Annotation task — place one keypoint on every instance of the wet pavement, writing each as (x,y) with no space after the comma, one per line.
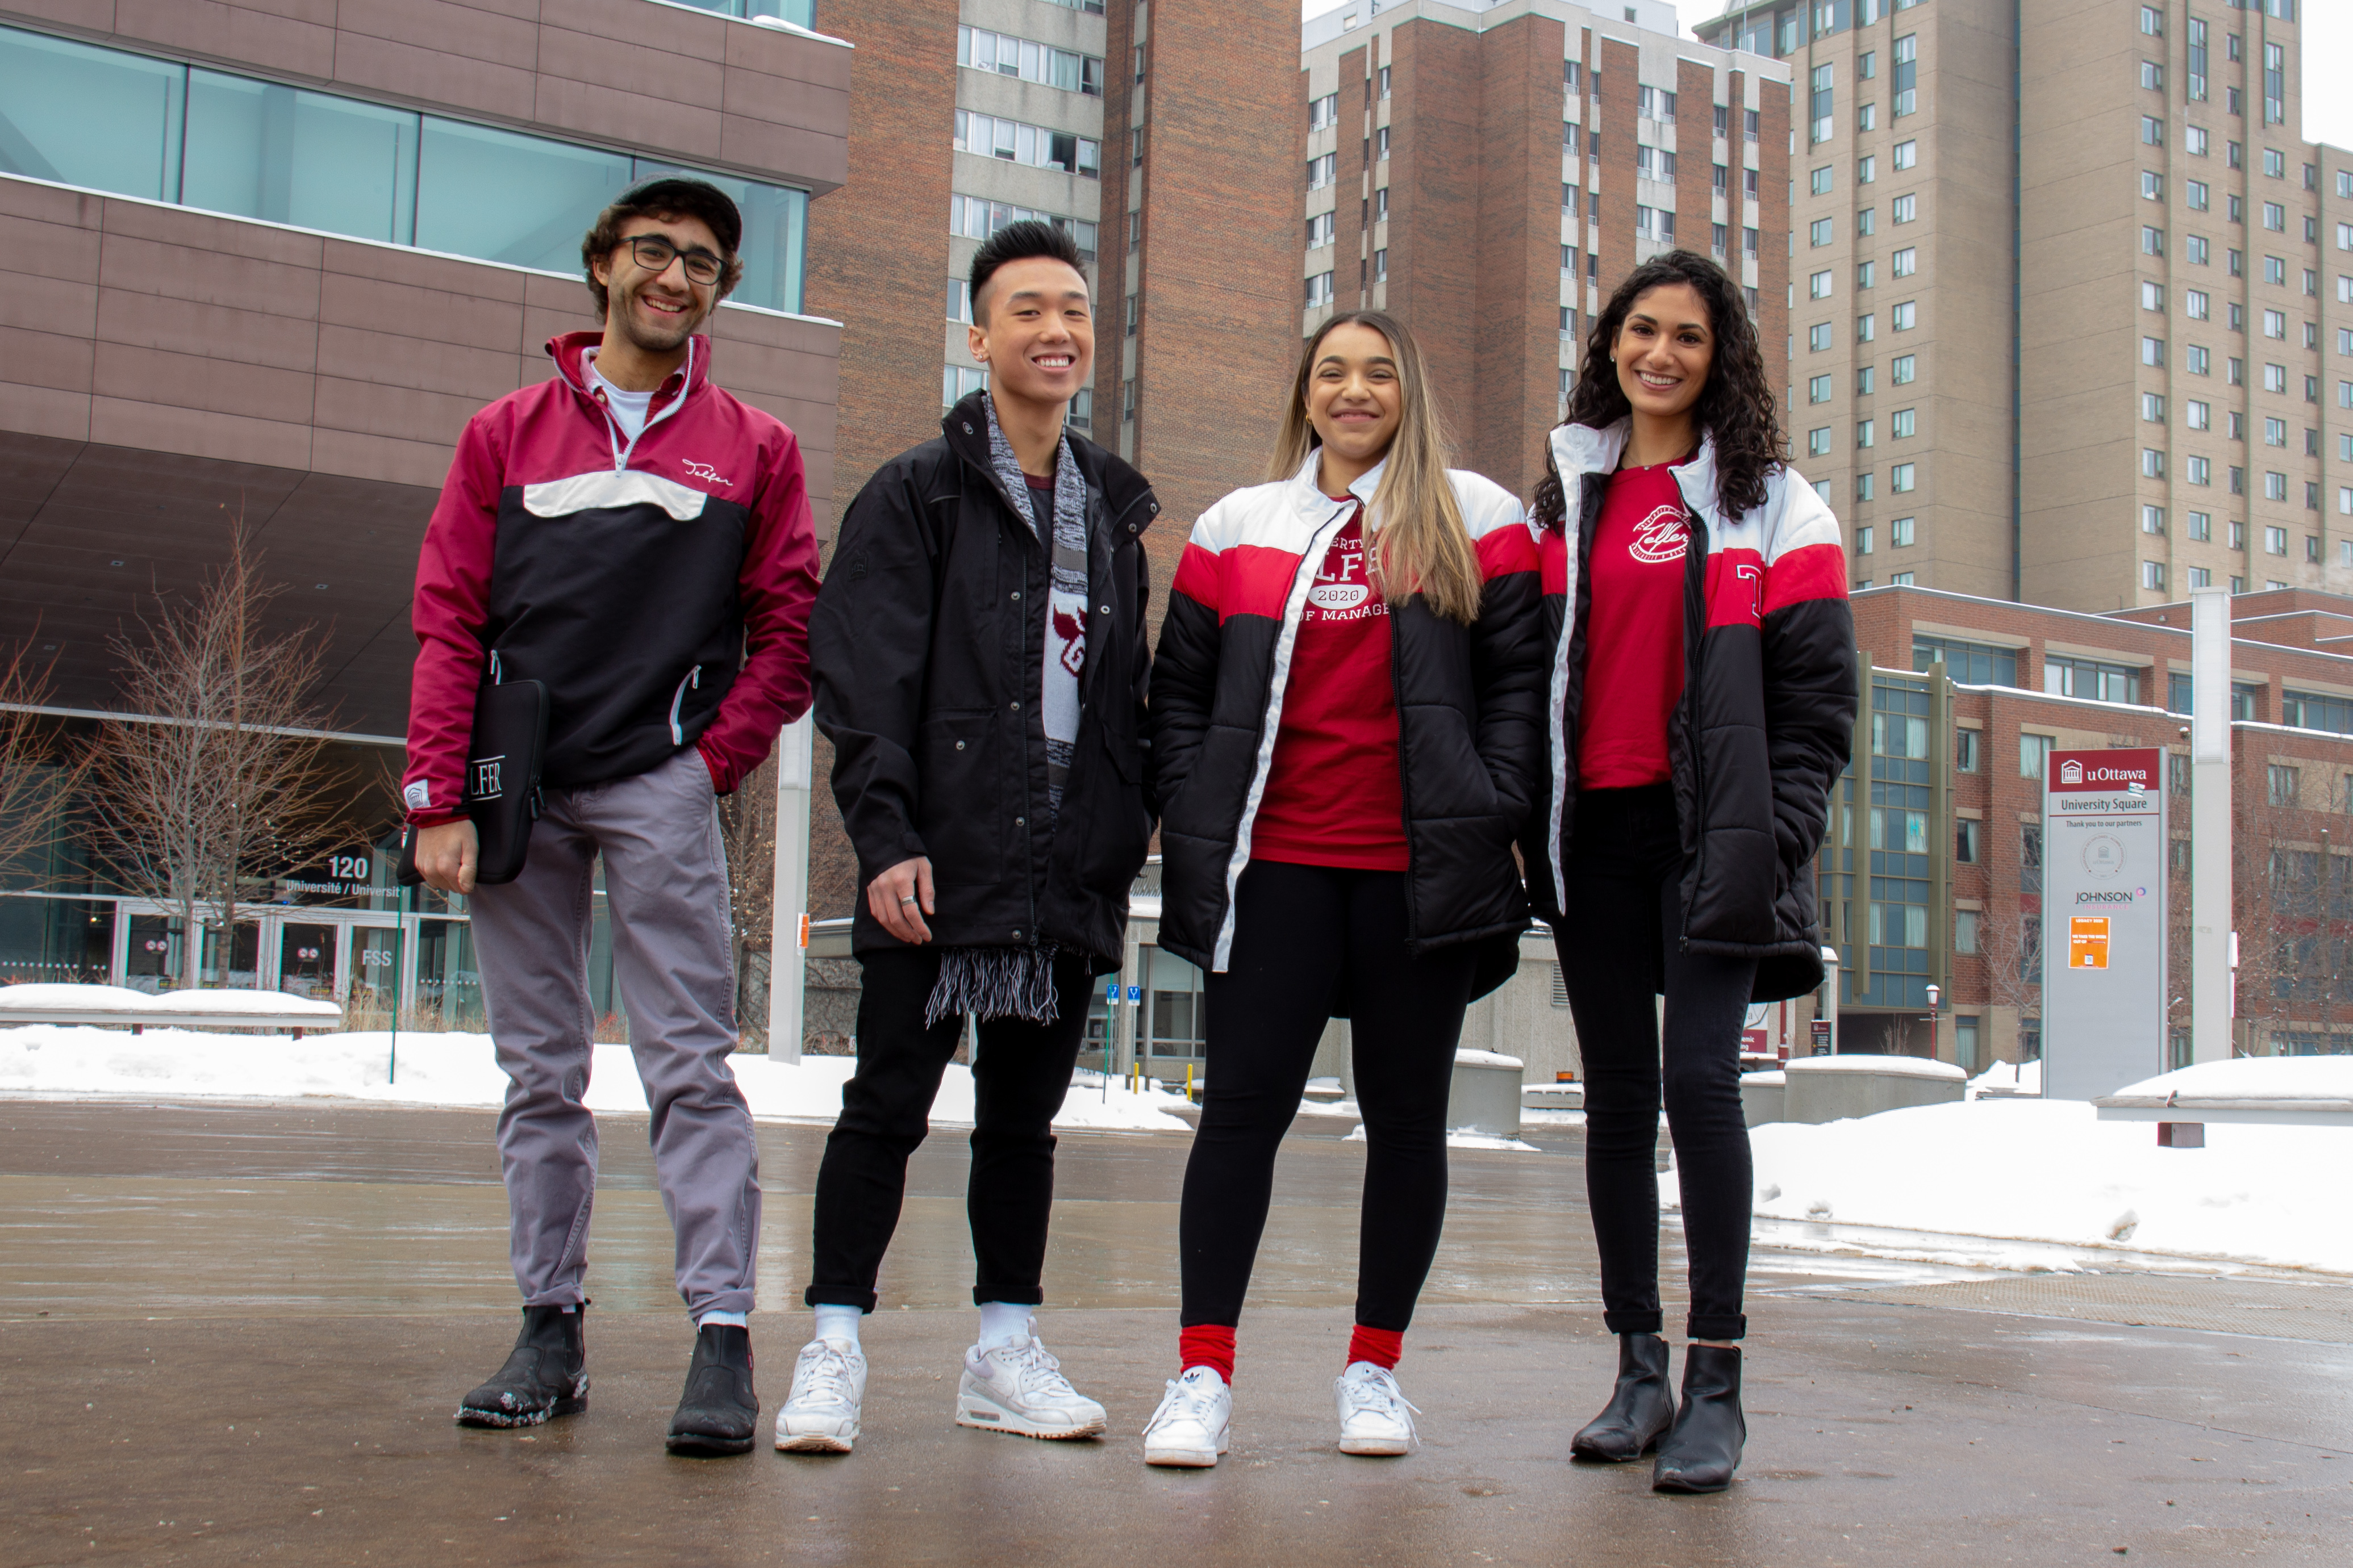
(236,1333)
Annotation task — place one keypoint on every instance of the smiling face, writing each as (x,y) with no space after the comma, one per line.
(1664,351)
(1353,399)
(1034,327)
(658,311)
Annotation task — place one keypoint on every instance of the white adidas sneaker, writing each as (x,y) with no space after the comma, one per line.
(1018,1388)
(820,1415)
(1189,1429)
(1376,1417)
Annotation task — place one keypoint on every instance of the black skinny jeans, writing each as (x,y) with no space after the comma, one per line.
(1020,1074)
(1304,937)
(1620,946)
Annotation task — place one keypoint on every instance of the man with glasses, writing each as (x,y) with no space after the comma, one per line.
(639,541)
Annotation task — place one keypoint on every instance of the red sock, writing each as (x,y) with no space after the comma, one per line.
(1208,1344)
(1380,1346)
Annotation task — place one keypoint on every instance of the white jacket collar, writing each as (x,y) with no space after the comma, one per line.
(1580,449)
(1310,494)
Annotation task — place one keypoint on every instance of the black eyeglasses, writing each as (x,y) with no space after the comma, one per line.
(654,252)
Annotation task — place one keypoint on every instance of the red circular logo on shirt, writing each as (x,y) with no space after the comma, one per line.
(1659,537)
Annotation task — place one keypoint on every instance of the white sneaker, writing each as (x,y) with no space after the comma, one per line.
(1374,1417)
(820,1415)
(1189,1428)
(1018,1388)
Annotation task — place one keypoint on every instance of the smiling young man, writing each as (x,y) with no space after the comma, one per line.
(981,663)
(638,541)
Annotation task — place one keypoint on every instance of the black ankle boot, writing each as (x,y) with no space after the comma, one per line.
(1640,1407)
(546,1373)
(1704,1449)
(718,1411)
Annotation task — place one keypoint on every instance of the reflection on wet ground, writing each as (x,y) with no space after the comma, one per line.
(229,1332)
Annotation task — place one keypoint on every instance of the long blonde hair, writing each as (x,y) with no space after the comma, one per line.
(1421,545)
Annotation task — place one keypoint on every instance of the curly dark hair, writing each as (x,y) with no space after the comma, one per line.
(1736,406)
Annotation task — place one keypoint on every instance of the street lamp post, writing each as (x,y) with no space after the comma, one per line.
(1934,1020)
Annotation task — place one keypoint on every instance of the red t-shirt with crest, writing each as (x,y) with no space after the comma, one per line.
(1634,635)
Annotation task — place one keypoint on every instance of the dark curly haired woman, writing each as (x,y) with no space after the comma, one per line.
(1702,696)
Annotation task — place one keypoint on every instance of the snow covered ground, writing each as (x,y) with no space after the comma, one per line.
(460,1069)
(2036,1171)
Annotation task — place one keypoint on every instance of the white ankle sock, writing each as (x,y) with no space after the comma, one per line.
(1002,1323)
(837,1323)
(735,1318)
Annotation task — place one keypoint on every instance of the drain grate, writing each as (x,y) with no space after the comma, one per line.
(2283,1310)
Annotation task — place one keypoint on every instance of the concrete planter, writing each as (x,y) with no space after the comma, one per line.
(1763,1097)
(1485,1095)
(1833,1089)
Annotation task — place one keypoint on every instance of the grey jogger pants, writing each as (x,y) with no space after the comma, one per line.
(673,962)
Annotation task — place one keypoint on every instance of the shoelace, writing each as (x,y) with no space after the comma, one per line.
(1186,1402)
(1037,1371)
(1375,1394)
(825,1375)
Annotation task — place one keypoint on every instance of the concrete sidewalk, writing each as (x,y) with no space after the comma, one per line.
(258,1320)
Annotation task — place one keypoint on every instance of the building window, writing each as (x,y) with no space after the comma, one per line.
(1818,287)
(2152,240)
(2152,575)
(1319,290)
(1965,746)
(2152,76)
(1818,337)
(2275,541)
(1381,143)
(1900,424)
(2152,463)
(1866,170)
(2033,758)
(1899,478)
(1905,207)
(1901,368)
(1862,488)
(1819,105)
(1819,231)
(2201,525)
(2276,489)
(1320,230)
(1320,170)
(2195,360)
(1866,275)
(1906,261)
(2197,195)
(1862,540)
(1004,55)
(1965,837)
(2275,432)
(1034,145)
(2200,577)
(1322,112)
(1863,380)
(1866,327)
(2194,251)
(1906,315)
(1907,74)
(1866,222)
(2152,519)
(1863,432)
(1899,579)
(2283,783)
(2199,470)
(1899,532)
(1381,275)
(2194,304)
(1818,442)
(1127,401)
(1819,181)
(2152,351)
(1130,315)
(2152,131)
(2152,408)
(1818,389)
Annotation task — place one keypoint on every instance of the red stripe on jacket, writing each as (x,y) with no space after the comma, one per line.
(1809,571)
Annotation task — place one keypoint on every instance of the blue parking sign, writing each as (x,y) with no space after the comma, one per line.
(1136,994)
(1111,990)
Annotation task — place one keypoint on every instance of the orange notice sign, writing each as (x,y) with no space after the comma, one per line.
(2088,942)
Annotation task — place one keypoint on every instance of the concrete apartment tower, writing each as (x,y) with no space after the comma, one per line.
(2067,291)
(1489,172)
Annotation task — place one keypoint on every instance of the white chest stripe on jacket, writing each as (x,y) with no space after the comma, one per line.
(1560,704)
(1294,609)
(610,489)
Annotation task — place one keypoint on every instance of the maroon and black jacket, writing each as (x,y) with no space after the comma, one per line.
(661,587)
(1766,719)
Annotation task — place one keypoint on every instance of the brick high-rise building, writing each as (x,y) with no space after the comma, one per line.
(2073,299)
(1489,171)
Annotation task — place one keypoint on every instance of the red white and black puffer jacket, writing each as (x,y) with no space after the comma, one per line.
(1470,703)
(1766,718)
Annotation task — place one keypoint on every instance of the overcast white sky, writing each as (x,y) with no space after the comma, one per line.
(2327,58)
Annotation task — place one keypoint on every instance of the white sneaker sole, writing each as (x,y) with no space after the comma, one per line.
(1378,1447)
(984,1414)
(1185,1458)
(816,1442)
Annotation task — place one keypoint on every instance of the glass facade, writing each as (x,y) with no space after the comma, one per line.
(135,126)
(1899,926)
(1966,663)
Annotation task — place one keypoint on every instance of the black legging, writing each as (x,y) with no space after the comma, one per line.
(1620,946)
(1305,936)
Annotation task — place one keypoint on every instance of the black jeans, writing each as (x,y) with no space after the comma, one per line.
(1020,1074)
(1305,937)
(1620,946)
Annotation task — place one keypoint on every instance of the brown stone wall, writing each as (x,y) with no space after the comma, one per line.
(1615,79)
(1773,228)
(1219,330)
(1694,158)
(1434,129)
(1352,280)
(1516,350)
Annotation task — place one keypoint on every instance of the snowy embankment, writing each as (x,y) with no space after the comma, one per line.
(2051,1171)
(459,1070)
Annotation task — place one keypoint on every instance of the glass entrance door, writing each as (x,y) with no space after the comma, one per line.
(376,975)
(306,960)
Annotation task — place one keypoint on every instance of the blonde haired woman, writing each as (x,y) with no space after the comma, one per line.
(1348,710)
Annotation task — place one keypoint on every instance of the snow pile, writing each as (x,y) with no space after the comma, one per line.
(461,1070)
(2008,1077)
(2050,1171)
(2282,1081)
(1463,1138)
(1878,1066)
(60,998)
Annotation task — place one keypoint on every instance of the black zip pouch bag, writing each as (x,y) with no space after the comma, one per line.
(502,793)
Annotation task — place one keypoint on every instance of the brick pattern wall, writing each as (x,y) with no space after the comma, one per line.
(1615,78)
(1773,228)
(1219,279)
(1694,160)
(1351,266)
(1433,143)
(1122,94)
(1516,348)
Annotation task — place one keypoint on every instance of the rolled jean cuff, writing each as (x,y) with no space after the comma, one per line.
(840,1296)
(1646,1323)
(735,1301)
(1010,1295)
(1718,1326)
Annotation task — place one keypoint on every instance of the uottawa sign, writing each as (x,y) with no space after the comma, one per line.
(2103,921)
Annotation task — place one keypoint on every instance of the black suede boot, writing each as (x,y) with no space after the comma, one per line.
(718,1411)
(546,1373)
(1640,1407)
(1704,1449)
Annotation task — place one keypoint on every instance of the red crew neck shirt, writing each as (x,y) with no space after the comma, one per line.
(1634,635)
(1334,796)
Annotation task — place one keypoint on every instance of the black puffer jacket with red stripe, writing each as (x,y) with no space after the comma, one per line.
(1470,704)
(1766,721)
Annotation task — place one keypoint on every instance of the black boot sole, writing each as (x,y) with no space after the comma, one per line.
(1595,1456)
(701,1446)
(1688,1488)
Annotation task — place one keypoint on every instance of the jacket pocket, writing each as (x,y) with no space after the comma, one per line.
(955,761)
(1119,830)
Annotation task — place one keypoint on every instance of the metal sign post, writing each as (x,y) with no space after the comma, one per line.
(2103,931)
